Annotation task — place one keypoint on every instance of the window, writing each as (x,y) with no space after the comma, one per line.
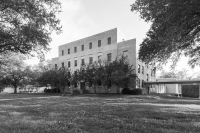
(153,72)
(125,53)
(75,62)
(56,66)
(99,58)
(142,69)
(69,64)
(90,45)
(126,68)
(63,65)
(75,49)
(90,84)
(109,40)
(142,83)
(90,60)
(69,75)
(83,71)
(147,77)
(138,82)
(75,73)
(69,83)
(62,52)
(82,47)
(109,57)
(99,43)
(138,68)
(75,84)
(68,51)
(82,62)
(99,82)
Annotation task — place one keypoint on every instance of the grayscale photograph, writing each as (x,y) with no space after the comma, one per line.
(99,66)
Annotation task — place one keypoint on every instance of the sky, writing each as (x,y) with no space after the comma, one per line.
(83,18)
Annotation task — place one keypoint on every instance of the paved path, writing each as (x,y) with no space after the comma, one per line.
(29,98)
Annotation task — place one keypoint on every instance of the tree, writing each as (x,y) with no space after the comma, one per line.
(26,25)
(91,72)
(16,74)
(168,74)
(183,75)
(49,77)
(14,78)
(123,76)
(174,32)
(107,73)
(118,72)
(57,78)
(180,75)
(63,77)
(197,77)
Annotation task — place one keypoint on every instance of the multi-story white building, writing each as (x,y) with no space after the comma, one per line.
(107,45)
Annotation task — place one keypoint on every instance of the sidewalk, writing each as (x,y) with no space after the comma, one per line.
(28,98)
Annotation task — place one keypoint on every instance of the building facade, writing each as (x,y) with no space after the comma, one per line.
(108,45)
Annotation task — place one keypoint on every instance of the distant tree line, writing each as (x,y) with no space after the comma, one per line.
(17,74)
(183,74)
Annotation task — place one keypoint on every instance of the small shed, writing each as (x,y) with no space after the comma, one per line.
(188,88)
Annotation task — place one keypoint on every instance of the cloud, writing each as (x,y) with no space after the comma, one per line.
(72,28)
(76,24)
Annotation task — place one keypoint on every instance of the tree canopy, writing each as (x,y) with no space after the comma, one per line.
(105,74)
(174,32)
(179,74)
(26,25)
(14,72)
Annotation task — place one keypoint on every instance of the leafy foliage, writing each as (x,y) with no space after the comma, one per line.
(180,75)
(63,77)
(49,77)
(174,31)
(118,73)
(168,75)
(55,77)
(25,25)
(15,73)
(123,73)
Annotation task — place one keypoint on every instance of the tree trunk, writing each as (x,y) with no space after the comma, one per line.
(95,89)
(63,89)
(15,89)
(71,89)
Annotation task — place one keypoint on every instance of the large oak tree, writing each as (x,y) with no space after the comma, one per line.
(175,30)
(26,25)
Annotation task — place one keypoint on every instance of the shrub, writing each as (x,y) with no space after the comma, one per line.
(126,91)
(86,91)
(137,91)
(47,90)
(76,92)
(52,90)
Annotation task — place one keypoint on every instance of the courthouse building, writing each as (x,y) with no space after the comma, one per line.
(107,45)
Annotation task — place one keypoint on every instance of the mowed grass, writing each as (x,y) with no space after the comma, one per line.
(98,114)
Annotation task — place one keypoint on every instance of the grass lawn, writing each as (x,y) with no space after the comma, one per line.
(98,114)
